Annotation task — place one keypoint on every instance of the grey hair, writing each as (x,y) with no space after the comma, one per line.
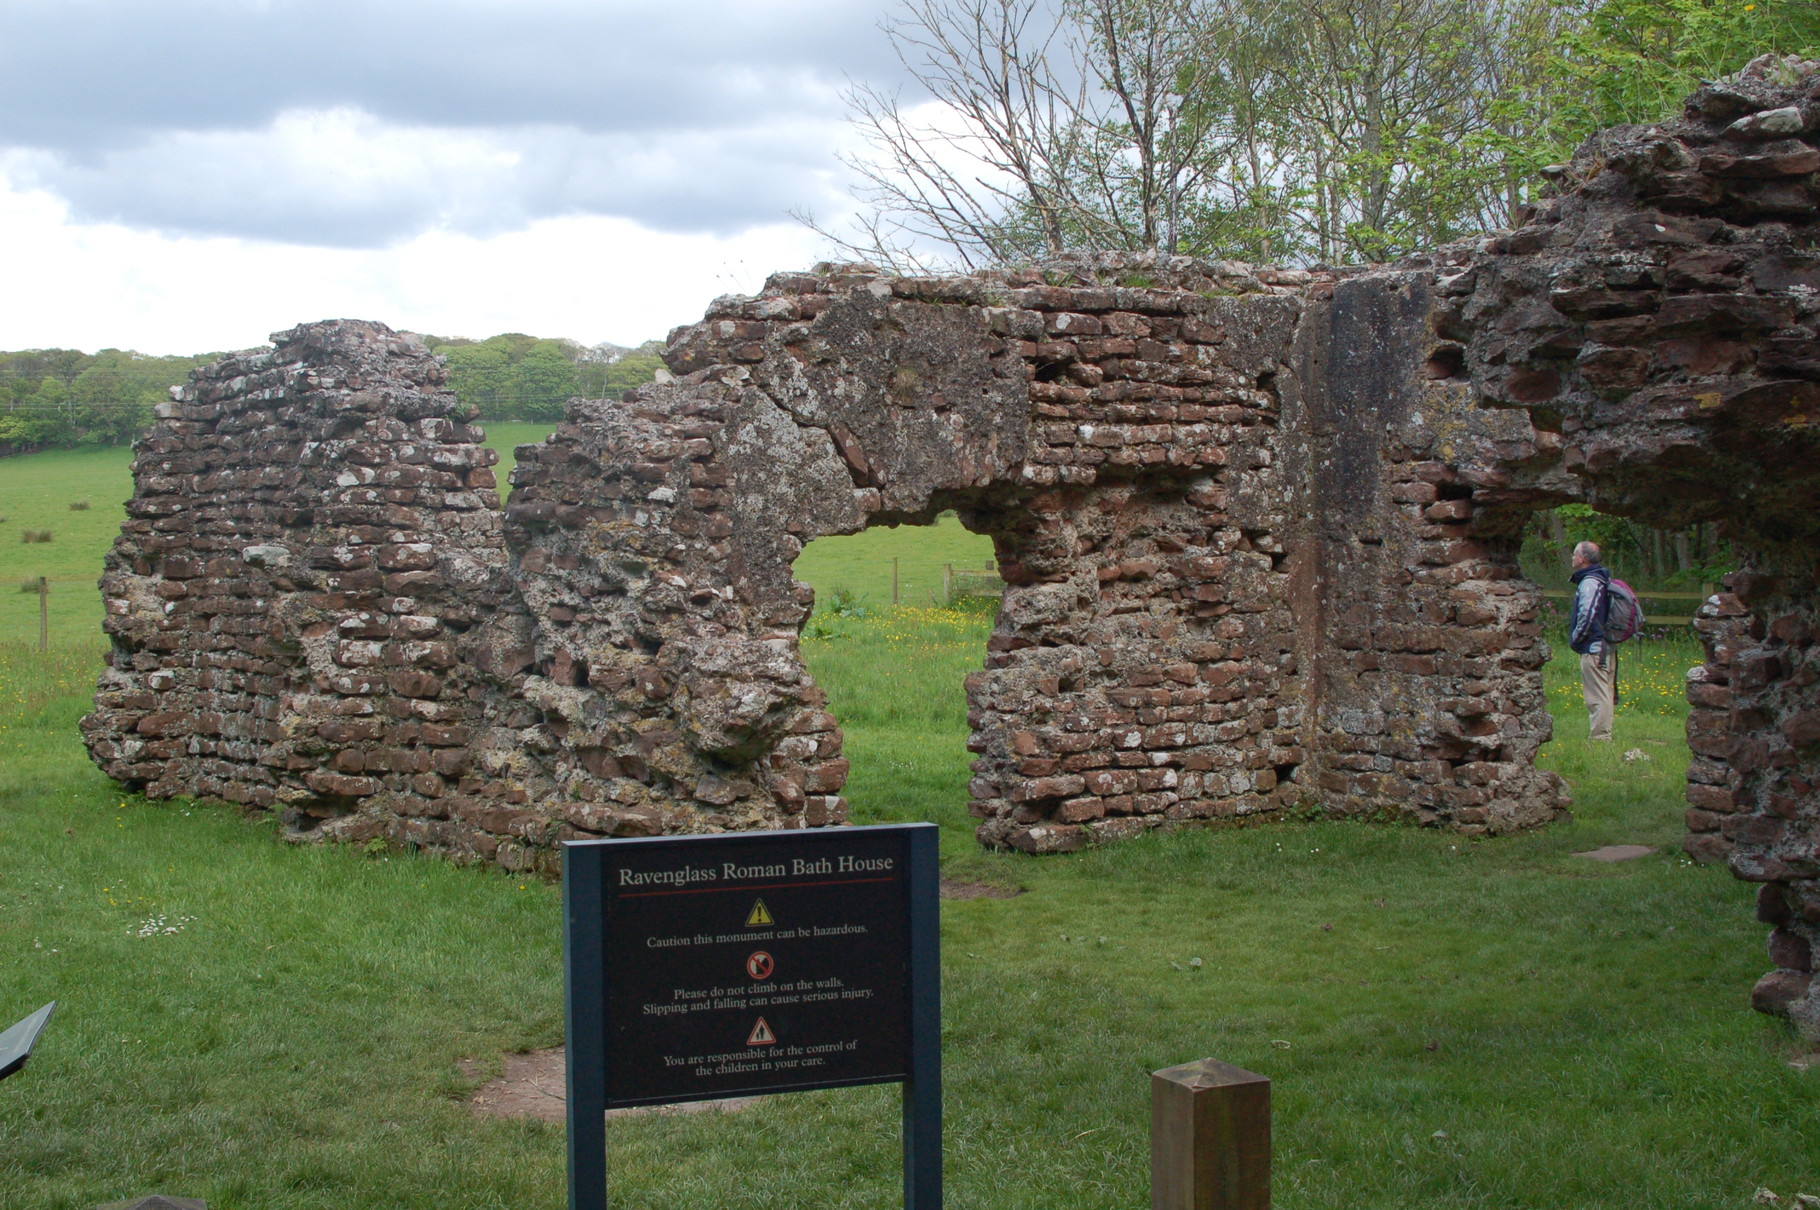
(1587,550)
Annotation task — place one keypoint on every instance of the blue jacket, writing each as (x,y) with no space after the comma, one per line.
(1586,621)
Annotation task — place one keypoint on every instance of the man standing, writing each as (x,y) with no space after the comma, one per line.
(1586,635)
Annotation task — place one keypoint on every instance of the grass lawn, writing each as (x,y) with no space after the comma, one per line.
(1446,1023)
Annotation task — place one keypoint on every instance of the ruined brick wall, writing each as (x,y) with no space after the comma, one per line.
(1661,313)
(1226,507)
(1259,531)
(304,595)
(1234,585)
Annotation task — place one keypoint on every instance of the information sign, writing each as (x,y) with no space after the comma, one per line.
(701,967)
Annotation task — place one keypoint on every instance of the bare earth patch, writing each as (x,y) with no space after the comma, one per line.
(533,1086)
(952,889)
(1617,852)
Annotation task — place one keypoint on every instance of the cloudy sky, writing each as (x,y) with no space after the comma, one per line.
(187,175)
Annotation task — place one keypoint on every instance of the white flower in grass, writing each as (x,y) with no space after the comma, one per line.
(162,926)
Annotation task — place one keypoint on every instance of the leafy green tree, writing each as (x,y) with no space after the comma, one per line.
(543,381)
(513,376)
(480,374)
(1321,130)
(64,397)
(634,368)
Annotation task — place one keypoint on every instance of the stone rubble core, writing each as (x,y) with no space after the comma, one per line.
(1259,530)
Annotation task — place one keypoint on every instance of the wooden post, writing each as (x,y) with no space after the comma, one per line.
(947,583)
(894,581)
(1209,1138)
(44,614)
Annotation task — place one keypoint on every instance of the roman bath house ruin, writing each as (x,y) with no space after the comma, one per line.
(1259,530)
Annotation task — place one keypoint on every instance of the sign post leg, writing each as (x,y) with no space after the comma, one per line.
(923,1090)
(584,984)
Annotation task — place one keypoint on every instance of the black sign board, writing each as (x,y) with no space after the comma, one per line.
(702,967)
(16,1043)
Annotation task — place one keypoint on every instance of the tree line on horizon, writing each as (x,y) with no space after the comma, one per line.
(56,398)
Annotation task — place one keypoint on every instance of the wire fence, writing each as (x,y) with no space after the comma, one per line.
(41,611)
(1651,619)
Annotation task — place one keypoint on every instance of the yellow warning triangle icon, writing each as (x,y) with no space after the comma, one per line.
(759,914)
(761,1035)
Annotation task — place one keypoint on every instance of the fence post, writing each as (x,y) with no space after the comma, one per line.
(947,584)
(1209,1138)
(894,581)
(44,614)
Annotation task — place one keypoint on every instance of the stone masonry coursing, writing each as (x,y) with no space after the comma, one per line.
(1661,314)
(307,593)
(1258,527)
(1187,483)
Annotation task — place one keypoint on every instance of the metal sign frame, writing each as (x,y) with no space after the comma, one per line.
(588,963)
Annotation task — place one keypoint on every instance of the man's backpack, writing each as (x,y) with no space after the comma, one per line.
(1623,612)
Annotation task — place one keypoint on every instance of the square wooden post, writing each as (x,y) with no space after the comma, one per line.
(1209,1138)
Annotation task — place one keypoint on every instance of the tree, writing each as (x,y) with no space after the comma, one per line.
(543,381)
(64,397)
(1329,130)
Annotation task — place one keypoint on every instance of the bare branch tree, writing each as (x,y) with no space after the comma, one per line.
(987,180)
(1337,130)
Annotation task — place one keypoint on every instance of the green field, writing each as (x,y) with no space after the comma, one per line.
(36,492)
(1485,1024)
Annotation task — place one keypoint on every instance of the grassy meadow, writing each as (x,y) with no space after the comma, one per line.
(1447,1023)
(36,494)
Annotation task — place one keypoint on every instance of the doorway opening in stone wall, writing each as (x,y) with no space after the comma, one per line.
(1639,782)
(901,618)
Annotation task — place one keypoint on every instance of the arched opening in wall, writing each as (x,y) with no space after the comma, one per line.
(1636,783)
(902,614)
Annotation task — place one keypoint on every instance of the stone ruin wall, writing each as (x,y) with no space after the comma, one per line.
(1661,314)
(318,608)
(1259,532)
(1183,635)
(306,598)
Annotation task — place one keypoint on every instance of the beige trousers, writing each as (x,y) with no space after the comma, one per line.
(1596,683)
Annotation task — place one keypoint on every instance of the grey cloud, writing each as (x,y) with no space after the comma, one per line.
(182,116)
(345,180)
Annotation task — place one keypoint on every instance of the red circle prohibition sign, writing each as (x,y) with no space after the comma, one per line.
(759,965)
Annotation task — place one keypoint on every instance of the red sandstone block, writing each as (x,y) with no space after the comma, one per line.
(1697,820)
(1105,782)
(443,737)
(1072,323)
(1065,786)
(1802,729)
(1157,779)
(827,777)
(337,785)
(168,723)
